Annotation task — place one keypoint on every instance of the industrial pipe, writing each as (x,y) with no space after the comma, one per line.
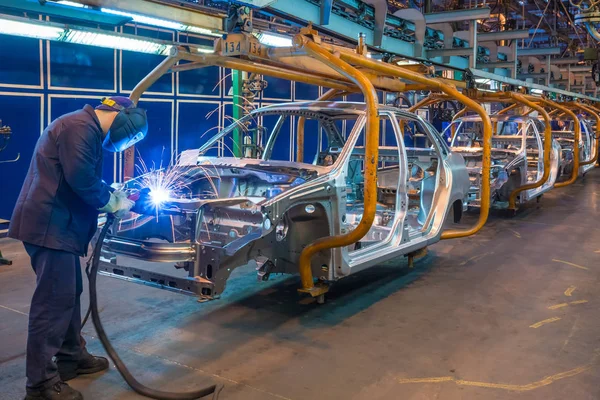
(596,114)
(577,130)
(521,100)
(547,150)
(371,160)
(143,85)
(451,91)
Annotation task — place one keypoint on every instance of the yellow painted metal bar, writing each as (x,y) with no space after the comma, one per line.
(288,74)
(330,94)
(577,130)
(459,114)
(554,112)
(507,109)
(596,108)
(161,69)
(547,150)
(422,103)
(455,94)
(518,100)
(371,160)
(596,115)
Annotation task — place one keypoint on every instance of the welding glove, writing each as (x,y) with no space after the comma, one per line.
(144,204)
(118,205)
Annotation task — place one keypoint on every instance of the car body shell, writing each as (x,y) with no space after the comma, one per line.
(587,142)
(264,212)
(517,157)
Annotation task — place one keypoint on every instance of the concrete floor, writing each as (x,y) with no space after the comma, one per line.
(461,325)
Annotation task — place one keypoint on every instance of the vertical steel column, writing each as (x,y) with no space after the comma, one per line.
(473,43)
(237,78)
(515,60)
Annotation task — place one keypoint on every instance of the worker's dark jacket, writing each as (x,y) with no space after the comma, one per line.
(57,207)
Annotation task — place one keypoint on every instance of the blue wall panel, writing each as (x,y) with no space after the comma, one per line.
(277,89)
(156,149)
(25,71)
(135,66)
(22,114)
(306,92)
(204,81)
(283,143)
(82,67)
(63,105)
(195,127)
(227,145)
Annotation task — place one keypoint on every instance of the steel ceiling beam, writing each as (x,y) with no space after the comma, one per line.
(540,51)
(458,15)
(457,51)
(578,68)
(326,7)
(499,64)
(503,35)
(477,73)
(168,11)
(539,75)
(564,61)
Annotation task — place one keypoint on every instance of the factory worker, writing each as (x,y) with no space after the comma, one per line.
(56,216)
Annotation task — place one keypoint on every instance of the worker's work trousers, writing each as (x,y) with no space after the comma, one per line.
(55,315)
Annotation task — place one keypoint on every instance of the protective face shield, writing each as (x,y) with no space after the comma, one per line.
(129,127)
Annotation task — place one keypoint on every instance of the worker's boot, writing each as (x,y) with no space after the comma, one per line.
(58,391)
(88,364)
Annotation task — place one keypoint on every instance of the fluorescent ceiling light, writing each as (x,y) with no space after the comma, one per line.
(537,91)
(10,27)
(161,23)
(274,40)
(202,31)
(407,62)
(55,32)
(71,4)
(482,81)
(116,42)
(142,19)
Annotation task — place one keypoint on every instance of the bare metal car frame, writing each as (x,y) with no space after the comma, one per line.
(216,235)
(344,70)
(517,160)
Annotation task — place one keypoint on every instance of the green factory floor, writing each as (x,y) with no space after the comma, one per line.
(512,313)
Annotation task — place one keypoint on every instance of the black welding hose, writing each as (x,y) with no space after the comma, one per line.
(131,381)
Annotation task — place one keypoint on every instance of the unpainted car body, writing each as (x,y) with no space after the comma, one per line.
(517,157)
(564,134)
(229,212)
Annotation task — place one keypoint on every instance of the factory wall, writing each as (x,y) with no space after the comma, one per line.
(41,80)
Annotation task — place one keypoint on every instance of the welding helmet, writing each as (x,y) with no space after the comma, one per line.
(129,127)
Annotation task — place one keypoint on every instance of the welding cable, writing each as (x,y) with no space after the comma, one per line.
(129,378)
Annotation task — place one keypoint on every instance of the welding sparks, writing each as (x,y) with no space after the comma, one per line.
(165,185)
(159,196)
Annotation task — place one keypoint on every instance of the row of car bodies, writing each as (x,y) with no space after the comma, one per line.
(228,212)
(518,153)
